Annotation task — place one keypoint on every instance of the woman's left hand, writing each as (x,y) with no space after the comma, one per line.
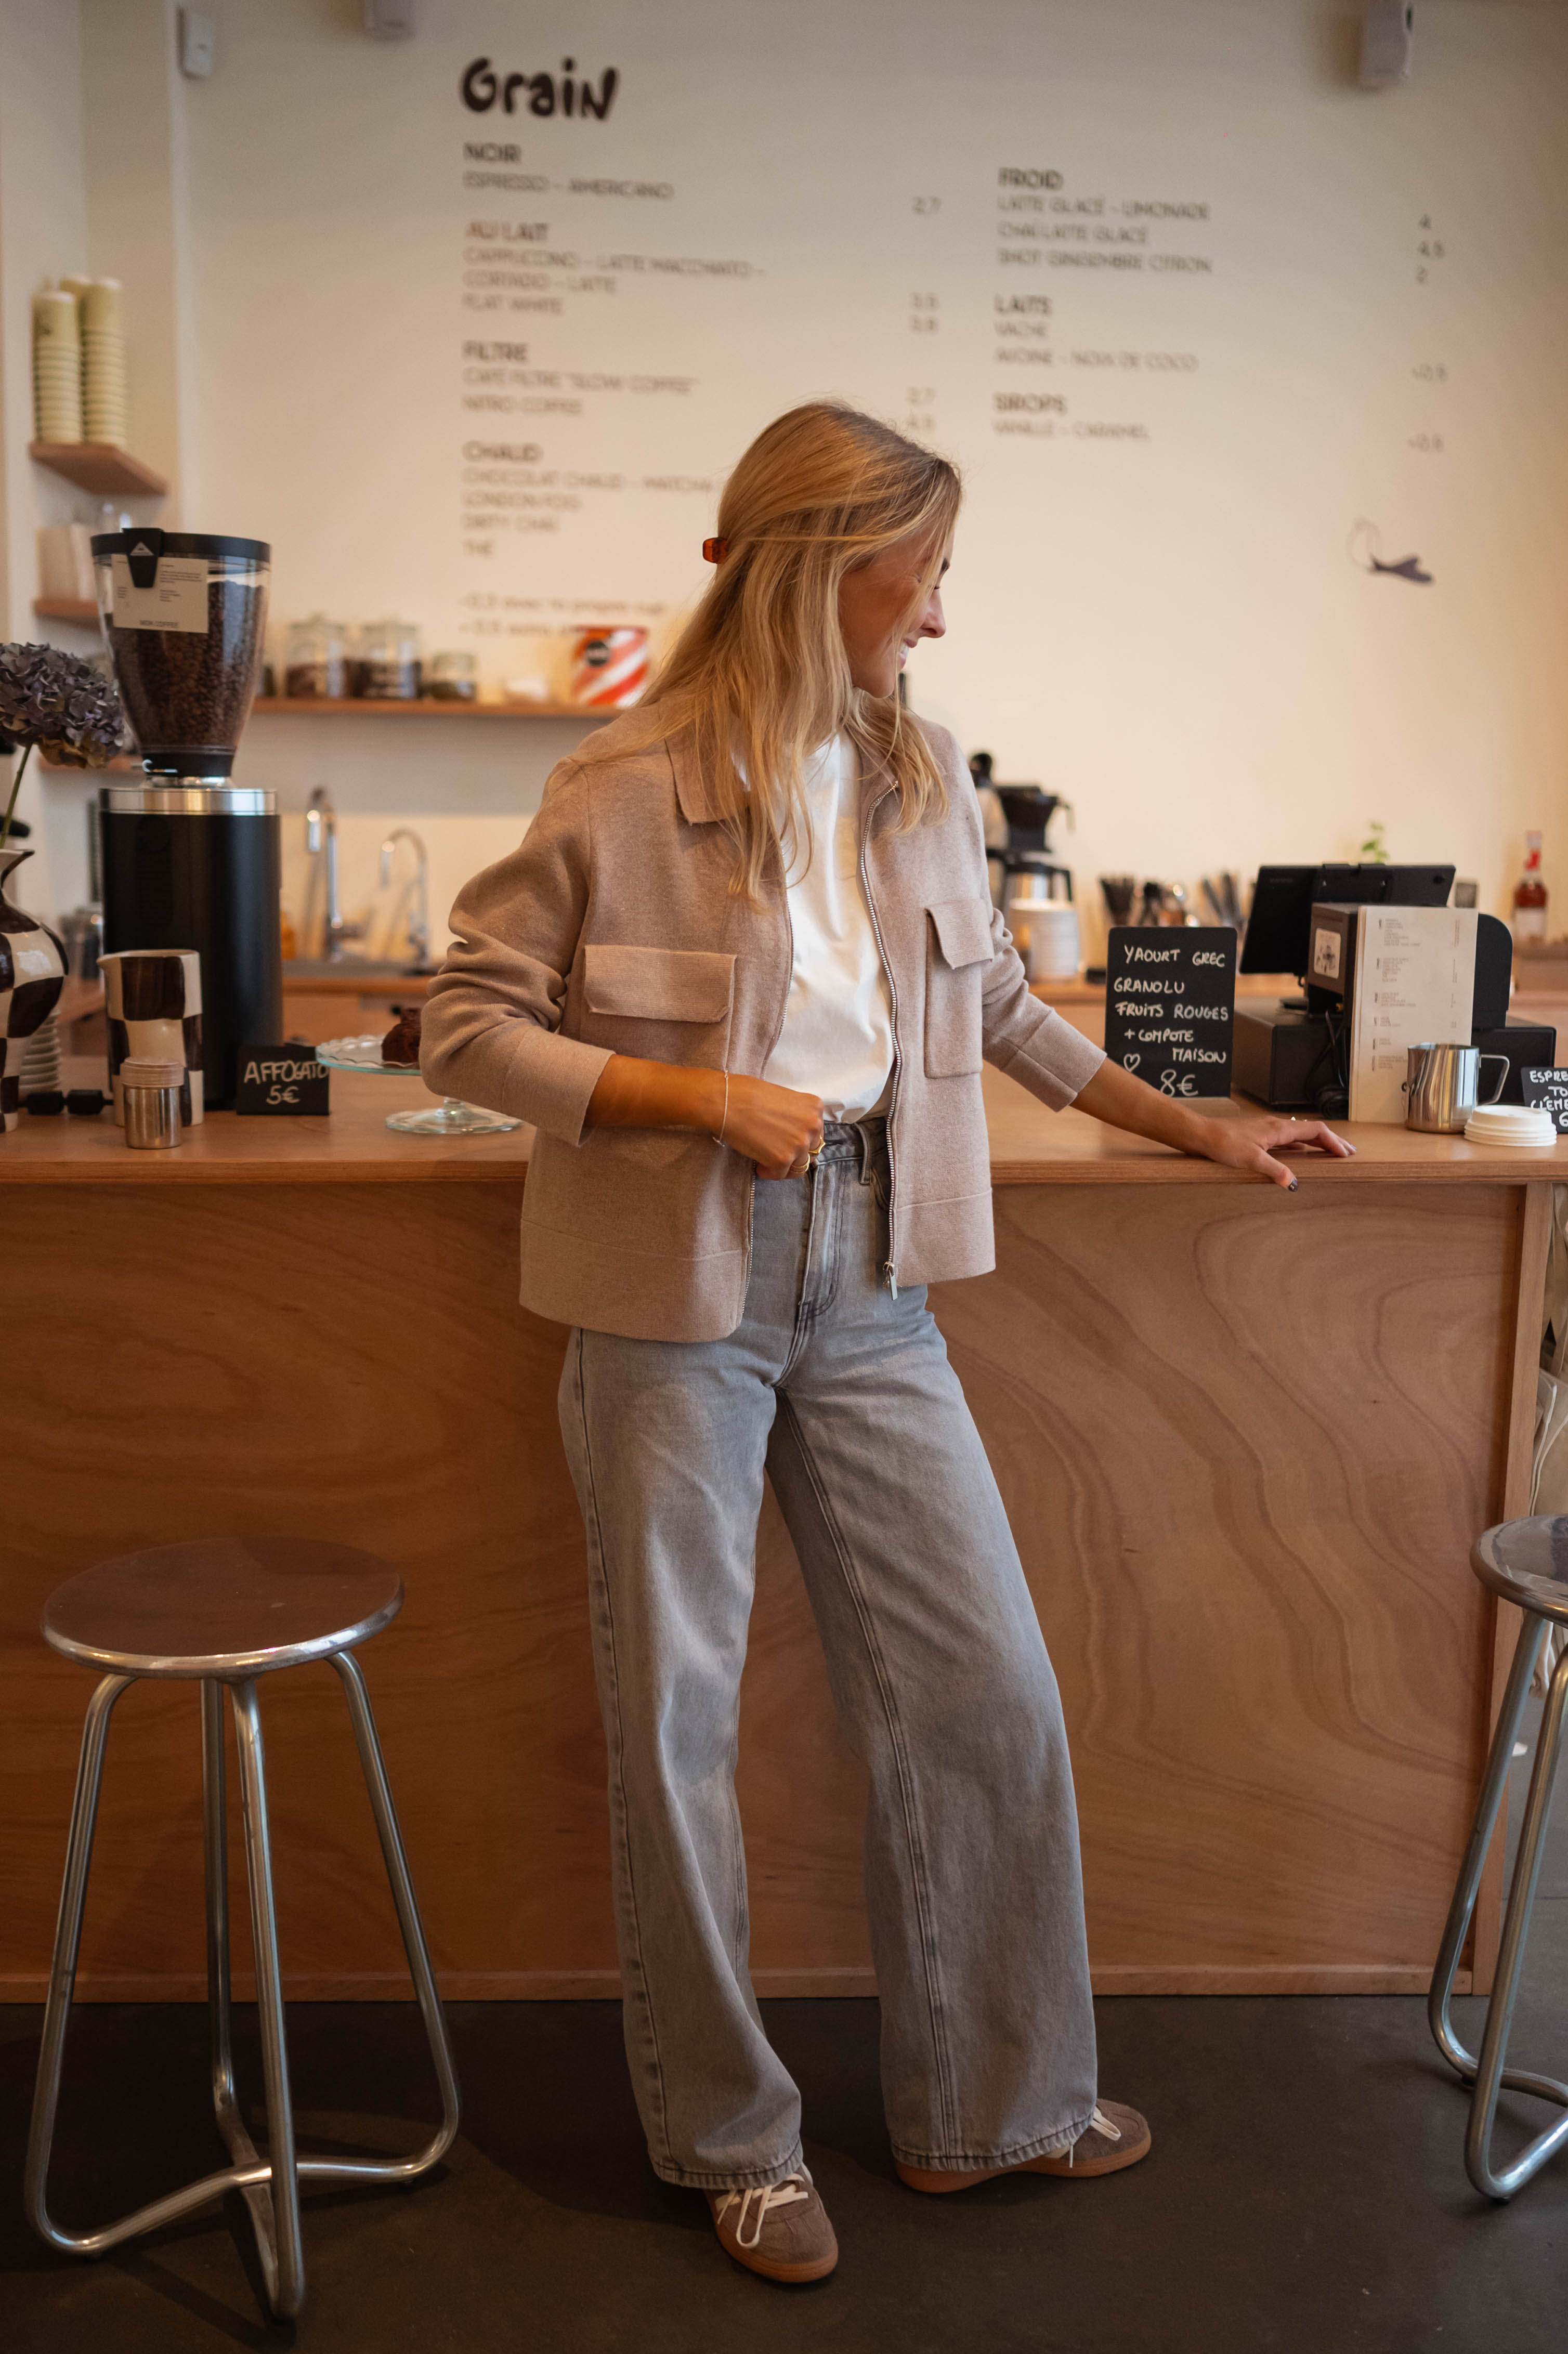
(1123,1100)
(1252,1143)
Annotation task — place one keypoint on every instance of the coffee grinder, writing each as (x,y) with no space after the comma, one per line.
(191,860)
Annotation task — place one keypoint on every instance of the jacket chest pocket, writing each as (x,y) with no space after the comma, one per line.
(958,950)
(667,1005)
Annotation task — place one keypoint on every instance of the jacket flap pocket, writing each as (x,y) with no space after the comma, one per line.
(659,985)
(963,930)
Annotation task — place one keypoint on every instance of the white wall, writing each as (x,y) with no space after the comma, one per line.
(1167,627)
(43,234)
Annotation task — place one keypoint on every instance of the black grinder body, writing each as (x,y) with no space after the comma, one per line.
(201,868)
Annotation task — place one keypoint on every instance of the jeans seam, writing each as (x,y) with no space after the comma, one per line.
(737,1861)
(808,1312)
(907,1795)
(619,1762)
(755,2178)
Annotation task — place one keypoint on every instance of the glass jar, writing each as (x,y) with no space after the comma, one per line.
(452,678)
(387,662)
(315,660)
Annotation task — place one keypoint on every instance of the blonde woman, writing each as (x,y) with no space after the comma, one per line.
(750,936)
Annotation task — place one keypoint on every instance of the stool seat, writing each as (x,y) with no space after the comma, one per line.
(223,1608)
(1527,1561)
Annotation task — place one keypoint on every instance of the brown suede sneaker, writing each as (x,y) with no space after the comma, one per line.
(781,2231)
(1116,2136)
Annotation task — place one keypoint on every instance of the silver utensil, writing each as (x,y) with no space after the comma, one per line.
(1442,1085)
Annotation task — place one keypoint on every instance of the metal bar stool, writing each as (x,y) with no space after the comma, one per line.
(225,1612)
(1527,1563)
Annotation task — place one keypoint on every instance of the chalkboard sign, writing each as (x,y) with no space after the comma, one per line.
(1170,1003)
(280,1082)
(1548,1091)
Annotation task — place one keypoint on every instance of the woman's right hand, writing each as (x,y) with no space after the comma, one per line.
(771,1126)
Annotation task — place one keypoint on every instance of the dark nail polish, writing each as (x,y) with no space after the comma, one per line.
(1293,1185)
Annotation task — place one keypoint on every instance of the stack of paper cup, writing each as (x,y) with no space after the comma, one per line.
(1045,933)
(1510,1124)
(103,362)
(57,367)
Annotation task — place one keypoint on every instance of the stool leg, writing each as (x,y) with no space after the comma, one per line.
(1526,1651)
(1489,2074)
(62,1974)
(282,2266)
(219,1991)
(414,1946)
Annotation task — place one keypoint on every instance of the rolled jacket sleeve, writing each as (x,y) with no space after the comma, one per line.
(1026,1038)
(492,1029)
(1022,1036)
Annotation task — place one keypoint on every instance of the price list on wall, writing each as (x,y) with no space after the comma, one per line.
(610,319)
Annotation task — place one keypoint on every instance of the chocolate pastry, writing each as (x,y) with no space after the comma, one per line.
(402,1045)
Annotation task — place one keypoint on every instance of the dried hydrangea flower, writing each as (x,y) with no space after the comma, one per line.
(64,705)
(69,710)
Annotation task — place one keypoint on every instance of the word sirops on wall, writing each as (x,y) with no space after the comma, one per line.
(1171,1006)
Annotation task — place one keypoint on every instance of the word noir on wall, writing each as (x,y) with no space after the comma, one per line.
(566,94)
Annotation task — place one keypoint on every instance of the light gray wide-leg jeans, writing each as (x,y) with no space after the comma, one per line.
(844,1395)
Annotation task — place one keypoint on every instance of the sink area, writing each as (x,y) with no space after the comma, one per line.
(352,968)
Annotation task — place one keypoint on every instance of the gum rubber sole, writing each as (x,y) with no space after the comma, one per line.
(792,2276)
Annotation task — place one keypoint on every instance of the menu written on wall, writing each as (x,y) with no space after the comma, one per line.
(598,297)
(1171,1006)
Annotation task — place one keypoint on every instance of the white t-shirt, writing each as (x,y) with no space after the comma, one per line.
(837,1039)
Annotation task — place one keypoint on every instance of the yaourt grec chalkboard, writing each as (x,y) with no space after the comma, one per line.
(1171,998)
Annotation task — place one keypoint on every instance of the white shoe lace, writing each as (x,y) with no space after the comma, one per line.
(770,2195)
(1099,2123)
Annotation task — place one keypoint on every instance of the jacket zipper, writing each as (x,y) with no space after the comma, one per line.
(889,1269)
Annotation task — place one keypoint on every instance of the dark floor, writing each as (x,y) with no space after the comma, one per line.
(1305,2194)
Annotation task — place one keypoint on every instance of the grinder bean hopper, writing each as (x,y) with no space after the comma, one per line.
(191,857)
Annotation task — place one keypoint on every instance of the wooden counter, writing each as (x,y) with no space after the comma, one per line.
(1245,1438)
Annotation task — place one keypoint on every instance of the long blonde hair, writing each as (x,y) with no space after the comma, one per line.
(761,668)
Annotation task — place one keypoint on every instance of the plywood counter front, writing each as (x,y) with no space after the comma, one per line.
(1245,1438)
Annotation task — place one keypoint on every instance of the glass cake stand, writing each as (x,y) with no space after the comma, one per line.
(449,1117)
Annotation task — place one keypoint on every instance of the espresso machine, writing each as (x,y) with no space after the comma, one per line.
(190,858)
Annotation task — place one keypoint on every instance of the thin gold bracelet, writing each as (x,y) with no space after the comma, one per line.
(724,1123)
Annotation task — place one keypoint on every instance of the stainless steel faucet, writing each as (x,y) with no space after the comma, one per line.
(321,834)
(419,921)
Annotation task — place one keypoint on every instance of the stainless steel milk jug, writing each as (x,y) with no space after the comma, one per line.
(1442,1087)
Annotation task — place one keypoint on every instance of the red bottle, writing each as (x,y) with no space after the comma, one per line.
(1530,894)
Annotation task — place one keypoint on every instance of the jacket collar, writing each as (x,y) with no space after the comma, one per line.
(692,787)
(694,792)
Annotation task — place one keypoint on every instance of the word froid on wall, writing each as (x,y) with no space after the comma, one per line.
(566,94)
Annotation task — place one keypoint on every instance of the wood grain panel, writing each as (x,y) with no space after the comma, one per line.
(1245,1440)
(1534,1214)
(347,1362)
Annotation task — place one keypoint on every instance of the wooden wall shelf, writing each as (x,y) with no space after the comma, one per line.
(358,707)
(82,611)
(99,467)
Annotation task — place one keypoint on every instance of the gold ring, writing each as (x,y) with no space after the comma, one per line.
(815,1152)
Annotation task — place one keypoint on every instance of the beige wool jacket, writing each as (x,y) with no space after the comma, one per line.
(613,931)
